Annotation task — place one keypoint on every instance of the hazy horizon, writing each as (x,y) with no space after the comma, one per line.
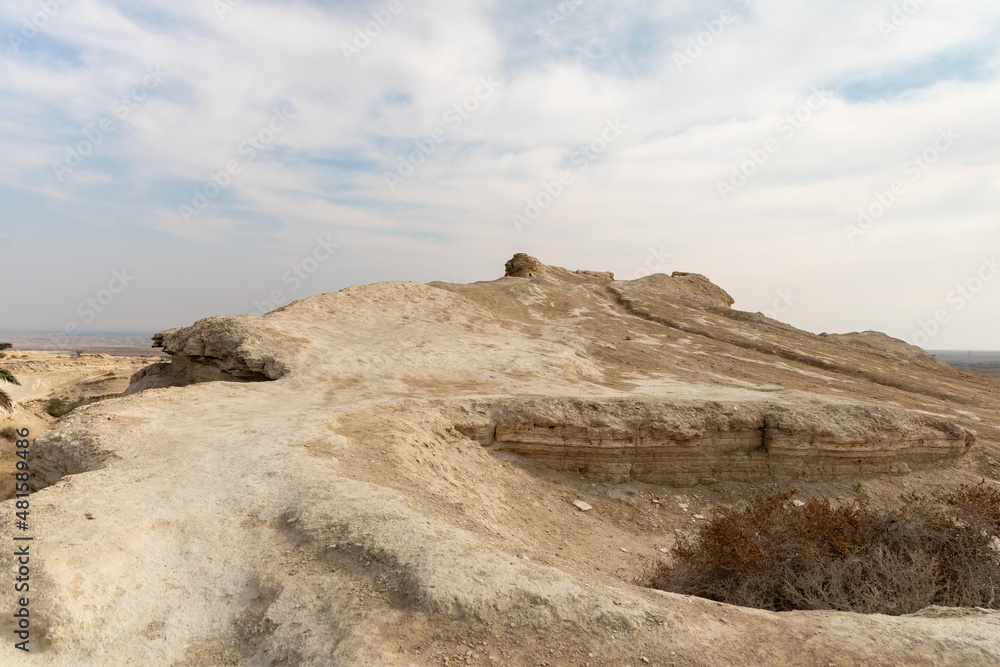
(835,166)
(55,337)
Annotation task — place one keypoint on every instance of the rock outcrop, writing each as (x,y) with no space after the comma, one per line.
(657,442)
(218,349)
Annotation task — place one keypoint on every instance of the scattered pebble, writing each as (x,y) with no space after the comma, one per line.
(798,503)
(582,506)
(700,517)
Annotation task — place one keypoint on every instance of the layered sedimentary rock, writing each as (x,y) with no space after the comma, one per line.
(218,349)
(660,442)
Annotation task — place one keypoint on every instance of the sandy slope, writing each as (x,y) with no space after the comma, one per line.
(384,476)
(74,380)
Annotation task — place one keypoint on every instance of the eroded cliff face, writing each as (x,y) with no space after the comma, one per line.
(385,475)
(659,442)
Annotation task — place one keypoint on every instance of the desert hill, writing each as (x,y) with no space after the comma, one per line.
(385,476)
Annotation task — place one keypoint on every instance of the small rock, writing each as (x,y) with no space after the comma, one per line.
(624,549)
(722,620)
(798,503)
(700,517)
(644,658)
(663,550)
(582,506)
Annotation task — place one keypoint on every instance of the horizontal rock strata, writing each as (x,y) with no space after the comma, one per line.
(670,443)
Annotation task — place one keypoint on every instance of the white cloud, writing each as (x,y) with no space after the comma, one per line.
(655,186)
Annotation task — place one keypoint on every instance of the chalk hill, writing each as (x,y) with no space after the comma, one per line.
(385,475)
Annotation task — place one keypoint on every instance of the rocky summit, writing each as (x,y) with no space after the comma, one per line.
(430,474)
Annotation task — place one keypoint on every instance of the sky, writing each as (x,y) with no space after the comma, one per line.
(835,165)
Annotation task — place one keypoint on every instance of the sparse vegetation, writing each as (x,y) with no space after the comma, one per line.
(773,555)
(6,403)
(55,408)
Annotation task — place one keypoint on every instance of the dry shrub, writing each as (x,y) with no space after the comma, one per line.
(772,555)
(55,408)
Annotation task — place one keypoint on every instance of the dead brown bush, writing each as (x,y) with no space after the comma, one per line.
(772,555)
